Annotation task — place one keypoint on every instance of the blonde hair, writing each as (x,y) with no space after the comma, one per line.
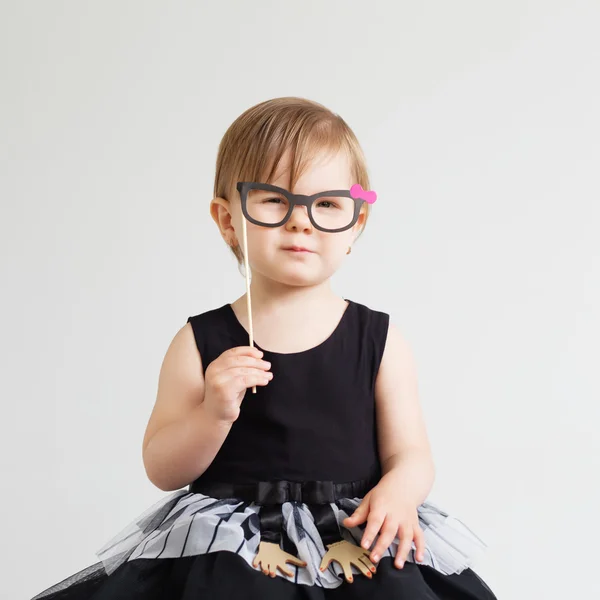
(256,141)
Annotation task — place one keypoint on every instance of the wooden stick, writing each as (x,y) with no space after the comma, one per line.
(248,299)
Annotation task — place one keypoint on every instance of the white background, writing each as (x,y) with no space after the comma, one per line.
(481,125)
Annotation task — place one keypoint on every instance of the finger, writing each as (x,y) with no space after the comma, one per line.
(347,570)
(406,538)
(325,563)
(233,387)
(236,372)
(360,513)
(252,379)
(296,561)
(284,571)
(243,350)
(419,539)
(258,563)
(367,561)
(234,380)
(362,567)
(359,516)
(374,523)
(245,377)
(249,350)
(231,362)
(386,537)
(262,567)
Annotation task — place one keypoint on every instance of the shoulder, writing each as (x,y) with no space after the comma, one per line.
(395,347)
(182,353)
(372,317)
(203,319)
(397,360)
(206,324)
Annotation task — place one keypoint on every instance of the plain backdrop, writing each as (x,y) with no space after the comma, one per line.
(480,121)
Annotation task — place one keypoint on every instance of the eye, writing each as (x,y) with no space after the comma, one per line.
(272,200)
(327,204)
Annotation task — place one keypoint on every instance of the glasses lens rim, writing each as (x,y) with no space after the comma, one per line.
(246,187)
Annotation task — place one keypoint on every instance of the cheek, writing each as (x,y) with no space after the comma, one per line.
(262,237)
(337,242)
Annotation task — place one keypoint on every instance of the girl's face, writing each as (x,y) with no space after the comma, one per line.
(268,247)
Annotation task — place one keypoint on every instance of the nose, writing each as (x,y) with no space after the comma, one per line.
(299,218)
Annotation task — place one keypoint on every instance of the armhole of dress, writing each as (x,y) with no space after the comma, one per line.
(380,339)
(194,322)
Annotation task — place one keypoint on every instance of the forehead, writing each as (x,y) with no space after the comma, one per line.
(326,171)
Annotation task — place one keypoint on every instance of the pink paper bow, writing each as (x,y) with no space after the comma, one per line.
(356,191)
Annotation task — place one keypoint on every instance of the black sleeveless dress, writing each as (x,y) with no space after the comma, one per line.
(297,461)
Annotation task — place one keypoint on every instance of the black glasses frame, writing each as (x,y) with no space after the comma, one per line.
(294,200)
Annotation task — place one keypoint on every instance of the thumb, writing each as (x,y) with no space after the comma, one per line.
(360,514)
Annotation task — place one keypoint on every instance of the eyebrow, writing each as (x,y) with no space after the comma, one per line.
(319,191)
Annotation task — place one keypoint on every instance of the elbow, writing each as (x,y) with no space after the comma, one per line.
(154,479)
(432,471)
(151,473)
(160,480)
(154,471)
(429,464)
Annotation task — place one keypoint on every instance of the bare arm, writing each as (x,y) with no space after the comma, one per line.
(404,448)
(182,438)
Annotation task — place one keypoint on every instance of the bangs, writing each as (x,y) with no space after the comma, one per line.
(303,140)
(303,146)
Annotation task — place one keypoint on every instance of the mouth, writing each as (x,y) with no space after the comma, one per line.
(298,249)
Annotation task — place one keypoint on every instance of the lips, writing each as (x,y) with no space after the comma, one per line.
(297,249)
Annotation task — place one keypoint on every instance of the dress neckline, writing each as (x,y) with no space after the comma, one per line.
(237,324)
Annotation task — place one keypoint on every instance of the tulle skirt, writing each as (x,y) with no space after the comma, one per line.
(190,545)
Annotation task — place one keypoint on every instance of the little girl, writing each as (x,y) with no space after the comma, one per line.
(303,458)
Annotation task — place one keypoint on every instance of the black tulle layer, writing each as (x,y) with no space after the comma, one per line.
(226,576)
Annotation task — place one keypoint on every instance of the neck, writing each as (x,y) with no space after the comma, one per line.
(273,298)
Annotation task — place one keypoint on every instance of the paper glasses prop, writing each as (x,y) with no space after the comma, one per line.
(267,205)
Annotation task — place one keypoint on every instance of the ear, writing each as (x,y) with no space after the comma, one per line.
(359,224)
(221,212)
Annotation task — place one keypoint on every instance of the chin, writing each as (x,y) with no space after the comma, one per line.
(297,279)
(294,273)
(293,276)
